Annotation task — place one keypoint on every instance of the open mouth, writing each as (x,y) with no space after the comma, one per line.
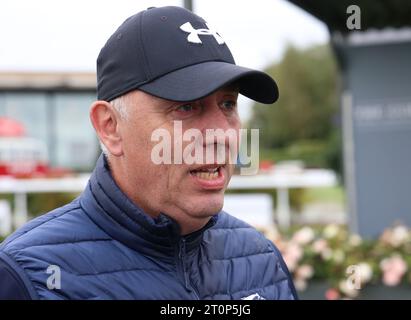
(207,173)
(210,177)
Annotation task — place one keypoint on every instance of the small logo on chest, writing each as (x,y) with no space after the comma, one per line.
(254,296)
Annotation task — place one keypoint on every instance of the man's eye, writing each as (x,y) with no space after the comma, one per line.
(229,105)
(186,110)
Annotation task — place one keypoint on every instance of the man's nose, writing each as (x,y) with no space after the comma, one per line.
(215,118)
(219,128)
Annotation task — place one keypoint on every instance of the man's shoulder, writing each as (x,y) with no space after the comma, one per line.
(26,245)
(240,235)
(58,238)
(232,224)
(234,242)
(12,284)
(68,223)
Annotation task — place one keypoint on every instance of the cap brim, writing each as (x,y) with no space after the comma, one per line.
(197,81)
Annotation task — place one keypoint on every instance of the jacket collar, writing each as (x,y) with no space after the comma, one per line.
(108,207)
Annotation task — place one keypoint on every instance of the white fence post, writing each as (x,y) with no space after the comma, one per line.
(5,218)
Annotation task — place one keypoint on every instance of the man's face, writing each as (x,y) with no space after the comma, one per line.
(186,192)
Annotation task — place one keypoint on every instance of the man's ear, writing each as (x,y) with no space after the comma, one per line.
(105,122)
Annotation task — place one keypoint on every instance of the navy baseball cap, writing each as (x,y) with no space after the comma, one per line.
(171,53)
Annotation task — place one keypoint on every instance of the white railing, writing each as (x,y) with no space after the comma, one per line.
(281,181)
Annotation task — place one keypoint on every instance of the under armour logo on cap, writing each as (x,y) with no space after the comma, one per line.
(194,33)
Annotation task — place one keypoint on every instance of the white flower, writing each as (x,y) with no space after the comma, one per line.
(399,235)
(319,245)
(292,255)
(348,288)
(330,231)
(338,256)
(327,254)
(300,284)
(304,271)
(304,235)
(354,240)
(365,272)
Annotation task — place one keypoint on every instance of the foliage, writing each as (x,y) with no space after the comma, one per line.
(331,253)
(39,203)
(302,123)
(330,194)
(296,195)
(310,151)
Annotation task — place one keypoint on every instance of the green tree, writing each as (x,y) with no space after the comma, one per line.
(304,116)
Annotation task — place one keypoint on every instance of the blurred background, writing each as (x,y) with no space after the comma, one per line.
(334,187)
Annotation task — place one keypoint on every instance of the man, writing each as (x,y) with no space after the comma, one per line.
(143,230)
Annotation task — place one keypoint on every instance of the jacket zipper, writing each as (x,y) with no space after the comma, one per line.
(181,262)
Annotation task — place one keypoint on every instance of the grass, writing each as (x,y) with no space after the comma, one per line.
(310,152)
(331,194)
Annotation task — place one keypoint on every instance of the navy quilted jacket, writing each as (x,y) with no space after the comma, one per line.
(102,246)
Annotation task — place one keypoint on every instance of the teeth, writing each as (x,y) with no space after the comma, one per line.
(206,175)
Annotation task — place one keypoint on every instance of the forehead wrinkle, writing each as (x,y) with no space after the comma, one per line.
(146,101)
